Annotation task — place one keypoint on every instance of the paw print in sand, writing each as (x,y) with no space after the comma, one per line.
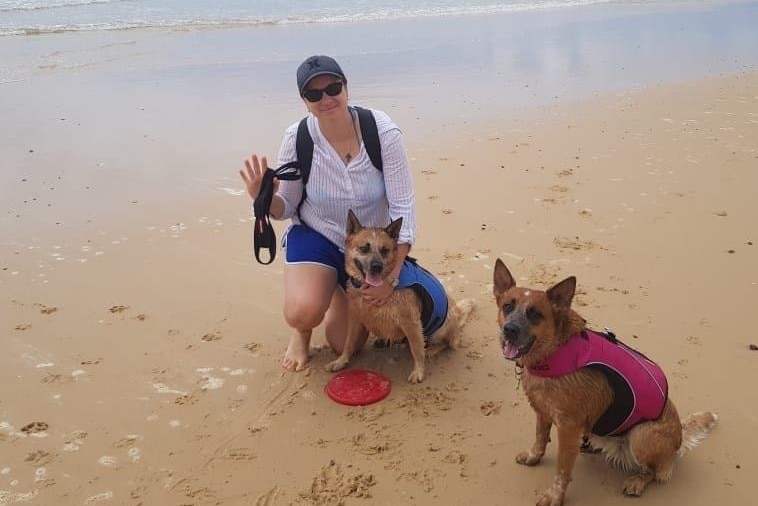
(34,427)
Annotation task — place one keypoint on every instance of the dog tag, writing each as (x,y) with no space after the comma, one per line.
(358,387)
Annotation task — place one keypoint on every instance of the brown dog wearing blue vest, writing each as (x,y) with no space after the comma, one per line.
(592,387)
(419,310)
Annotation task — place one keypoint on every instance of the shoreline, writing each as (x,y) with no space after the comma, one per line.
(148,210)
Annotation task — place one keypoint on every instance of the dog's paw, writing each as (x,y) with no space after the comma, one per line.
(335,365)
(416,376)
(549,497)
(634,486)
(528,458)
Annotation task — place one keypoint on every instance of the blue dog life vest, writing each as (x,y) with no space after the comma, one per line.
(429,290)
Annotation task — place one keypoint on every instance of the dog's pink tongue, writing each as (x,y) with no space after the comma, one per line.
(510,351)
(373,280)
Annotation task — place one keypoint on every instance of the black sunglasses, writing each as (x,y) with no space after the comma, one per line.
(314,95)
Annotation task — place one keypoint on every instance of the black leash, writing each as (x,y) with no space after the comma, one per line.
(263,232)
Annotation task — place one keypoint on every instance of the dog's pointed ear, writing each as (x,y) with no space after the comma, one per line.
(353,225)
(562,293)
(393,230)
(502,280)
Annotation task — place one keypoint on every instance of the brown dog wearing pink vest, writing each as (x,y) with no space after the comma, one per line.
(582,382)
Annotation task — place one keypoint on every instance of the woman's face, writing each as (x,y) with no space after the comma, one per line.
(328,106)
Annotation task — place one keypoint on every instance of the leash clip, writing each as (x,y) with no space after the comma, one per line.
(519,370)
(611,335)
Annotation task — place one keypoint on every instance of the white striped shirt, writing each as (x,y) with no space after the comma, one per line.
(375,197)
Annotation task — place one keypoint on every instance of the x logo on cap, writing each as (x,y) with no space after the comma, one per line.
(314,63)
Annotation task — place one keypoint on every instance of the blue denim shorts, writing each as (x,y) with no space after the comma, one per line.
(303,245)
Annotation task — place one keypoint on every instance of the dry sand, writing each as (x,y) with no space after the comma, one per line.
(140,362)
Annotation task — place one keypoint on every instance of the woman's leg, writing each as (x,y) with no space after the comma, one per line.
(308,293)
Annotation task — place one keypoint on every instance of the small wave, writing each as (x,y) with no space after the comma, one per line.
(38,6)
(376,15)
(171,25)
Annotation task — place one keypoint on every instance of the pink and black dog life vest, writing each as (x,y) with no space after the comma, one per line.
(639,385)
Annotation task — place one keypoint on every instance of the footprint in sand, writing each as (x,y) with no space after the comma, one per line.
(366,414)
(268,498)
(332,485)
(575,244)
(23,326)
(211,336)
(118,309)
(127,441)
(73,441)
(424,400)
(455,457)
(108,461)
(187,399)
(208,382)
(240,454)
(34,427)
(105,496)
(40,475)
(491,408)
(39,458)
(54,378)
(252,347)
(46,309)
(368,446)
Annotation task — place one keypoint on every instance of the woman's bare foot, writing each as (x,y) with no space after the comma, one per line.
(296,356)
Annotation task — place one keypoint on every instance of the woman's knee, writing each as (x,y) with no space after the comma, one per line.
(304,315)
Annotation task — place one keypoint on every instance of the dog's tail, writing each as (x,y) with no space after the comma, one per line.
(695,428)
(465,307)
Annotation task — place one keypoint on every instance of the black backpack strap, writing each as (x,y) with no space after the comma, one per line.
(370,135)
(304,150)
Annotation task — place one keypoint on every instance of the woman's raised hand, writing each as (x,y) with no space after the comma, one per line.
(252,175)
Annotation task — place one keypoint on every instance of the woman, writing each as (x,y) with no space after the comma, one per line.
(342,177)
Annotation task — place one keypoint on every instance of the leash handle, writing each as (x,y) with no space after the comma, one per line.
(263,232)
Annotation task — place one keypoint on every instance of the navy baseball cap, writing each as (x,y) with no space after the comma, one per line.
(317,65)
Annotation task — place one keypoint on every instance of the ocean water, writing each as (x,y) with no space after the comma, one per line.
(587,44)
(33,17)
(171,94)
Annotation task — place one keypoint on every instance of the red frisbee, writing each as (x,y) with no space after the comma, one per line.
(358,387)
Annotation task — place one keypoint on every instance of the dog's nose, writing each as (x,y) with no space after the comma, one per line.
(376,267)
(510,331)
